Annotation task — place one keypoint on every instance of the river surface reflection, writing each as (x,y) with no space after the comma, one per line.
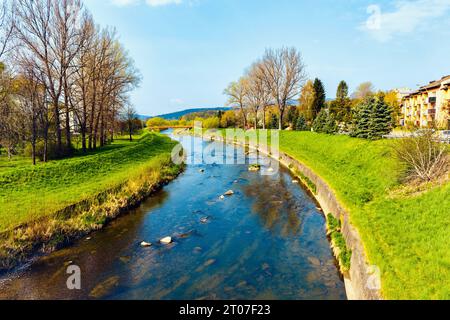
(267,241)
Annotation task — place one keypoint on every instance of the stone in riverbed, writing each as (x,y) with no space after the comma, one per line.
(145,244)
(166,240)
(314,261)
(209,262)
(222,197)
(229,193)
(204,220)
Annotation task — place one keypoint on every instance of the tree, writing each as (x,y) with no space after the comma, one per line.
(129,116)
(258,94)
(381,118)
(342,91)
(7,27)
(373,119)
(361,125)
(306,100)
(364,91)
(292,116)
(237,94)
(301,124)
(320,121)
(319,98)
(273,121)
(228,119)
(342,106)
(284,74)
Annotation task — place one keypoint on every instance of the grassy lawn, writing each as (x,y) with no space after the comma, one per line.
(406,234)
(28,193)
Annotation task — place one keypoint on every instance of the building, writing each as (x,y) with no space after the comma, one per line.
(429,106)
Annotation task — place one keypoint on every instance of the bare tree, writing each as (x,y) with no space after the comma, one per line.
(6,27)
(130,116)
(284,74)
(258,94)
(237,94)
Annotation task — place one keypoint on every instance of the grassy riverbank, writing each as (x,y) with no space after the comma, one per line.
(404,230)
(52,203)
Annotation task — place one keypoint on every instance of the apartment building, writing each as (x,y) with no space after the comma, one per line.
(428,106)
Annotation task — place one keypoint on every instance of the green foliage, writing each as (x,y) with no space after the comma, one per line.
(301,124)
(320,121)
(274,122)
(292,115)
(319,97)
(342,91)
(325,123)
(211,123)
(333,224)
(373,119)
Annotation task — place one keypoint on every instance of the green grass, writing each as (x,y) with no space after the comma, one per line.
(28,193)
(406,235)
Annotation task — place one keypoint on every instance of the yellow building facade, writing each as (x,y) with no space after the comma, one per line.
(429,106)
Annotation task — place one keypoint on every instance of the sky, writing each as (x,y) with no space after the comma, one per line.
(187,51)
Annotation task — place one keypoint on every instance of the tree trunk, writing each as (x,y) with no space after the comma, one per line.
(33,140)
(264,118)
(58,128)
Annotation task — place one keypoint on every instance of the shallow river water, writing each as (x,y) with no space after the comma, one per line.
(267,241)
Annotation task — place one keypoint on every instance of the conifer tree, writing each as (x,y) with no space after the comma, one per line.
(301,124)
(319,98)
(320,122)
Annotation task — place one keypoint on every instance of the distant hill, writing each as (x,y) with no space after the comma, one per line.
(179,114)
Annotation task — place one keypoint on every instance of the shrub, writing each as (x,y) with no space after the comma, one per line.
(423,156)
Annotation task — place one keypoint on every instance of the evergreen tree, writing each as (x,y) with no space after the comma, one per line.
(381,118)
(331,125)
(342,91)
(301,124)
(361,123)
(273,123)
(292,116)
(319,98)
(320,122)
(373,119)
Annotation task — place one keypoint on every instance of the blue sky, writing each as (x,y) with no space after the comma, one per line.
(189,50)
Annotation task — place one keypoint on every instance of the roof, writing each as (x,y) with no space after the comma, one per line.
(432,85)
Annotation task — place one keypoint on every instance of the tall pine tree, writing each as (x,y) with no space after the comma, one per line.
(319,98)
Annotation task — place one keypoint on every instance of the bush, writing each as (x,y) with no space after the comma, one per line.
(423,156)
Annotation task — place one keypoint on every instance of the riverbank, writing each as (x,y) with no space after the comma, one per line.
(401,230)
(46,207)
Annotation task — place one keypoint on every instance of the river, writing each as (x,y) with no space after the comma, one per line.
(266,241)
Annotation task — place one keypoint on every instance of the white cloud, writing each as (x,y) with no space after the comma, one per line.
(124,3)
(157,3)
(407,17)
(152,3)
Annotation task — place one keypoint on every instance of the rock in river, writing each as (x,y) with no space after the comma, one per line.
(229,193)
(145,244)
(166,240)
